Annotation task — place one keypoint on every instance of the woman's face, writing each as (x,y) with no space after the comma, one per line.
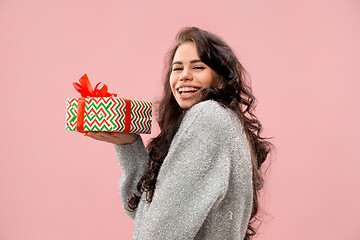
(189,76)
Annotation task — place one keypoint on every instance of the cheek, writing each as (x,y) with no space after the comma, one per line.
(172,84)
(210,80)
(214,80)
(172,80)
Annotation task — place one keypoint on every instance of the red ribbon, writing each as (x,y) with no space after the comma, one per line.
(86,90)
(80,114)
(127,119)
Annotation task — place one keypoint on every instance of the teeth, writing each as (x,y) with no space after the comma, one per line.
(187,89)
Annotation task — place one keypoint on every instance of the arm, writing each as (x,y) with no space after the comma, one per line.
(193,178)
(133,160)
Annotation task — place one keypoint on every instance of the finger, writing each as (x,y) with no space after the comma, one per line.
(95,136)
(101,139)
(113,137)
(121,135)
(89,134)
(92,135)
(106,135)
(116,134)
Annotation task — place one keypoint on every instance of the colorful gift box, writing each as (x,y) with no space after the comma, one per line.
(99,110)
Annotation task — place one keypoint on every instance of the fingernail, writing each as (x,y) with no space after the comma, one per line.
(88,134)
(112,134)
(98,134)
(85,134)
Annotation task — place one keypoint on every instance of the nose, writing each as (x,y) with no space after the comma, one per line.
(185,75)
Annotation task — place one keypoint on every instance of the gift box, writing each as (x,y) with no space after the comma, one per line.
(99,110)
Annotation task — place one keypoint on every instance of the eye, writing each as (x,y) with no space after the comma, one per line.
(179,68)
(176,69)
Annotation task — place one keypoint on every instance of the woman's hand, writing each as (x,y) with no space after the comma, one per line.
(113,137)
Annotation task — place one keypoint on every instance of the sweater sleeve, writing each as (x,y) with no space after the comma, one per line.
(194,177)
(133,160)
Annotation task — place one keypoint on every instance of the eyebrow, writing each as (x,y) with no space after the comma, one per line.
(192,61)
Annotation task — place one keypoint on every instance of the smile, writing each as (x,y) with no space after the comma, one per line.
(187,92)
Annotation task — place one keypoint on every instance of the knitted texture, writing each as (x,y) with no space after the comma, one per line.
(204,187)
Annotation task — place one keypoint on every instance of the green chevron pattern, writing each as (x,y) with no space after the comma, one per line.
(108,114)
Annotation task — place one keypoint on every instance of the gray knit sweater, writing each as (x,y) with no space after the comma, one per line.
(204,187)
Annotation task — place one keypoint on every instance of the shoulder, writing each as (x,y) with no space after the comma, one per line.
(211,110)
(206,106)
(211,117)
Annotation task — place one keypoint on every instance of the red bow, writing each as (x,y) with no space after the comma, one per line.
(86,90)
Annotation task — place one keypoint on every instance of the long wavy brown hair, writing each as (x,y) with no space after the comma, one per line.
(234,93)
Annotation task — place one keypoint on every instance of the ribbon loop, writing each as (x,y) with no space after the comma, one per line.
(86,90)
(102,92)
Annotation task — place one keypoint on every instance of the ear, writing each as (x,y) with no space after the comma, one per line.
(219,83)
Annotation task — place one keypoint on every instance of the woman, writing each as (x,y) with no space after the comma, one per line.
(199,178)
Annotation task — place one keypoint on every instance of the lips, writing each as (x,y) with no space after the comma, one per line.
(187,91)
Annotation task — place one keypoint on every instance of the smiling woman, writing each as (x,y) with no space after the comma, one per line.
(190,75)
(200,177)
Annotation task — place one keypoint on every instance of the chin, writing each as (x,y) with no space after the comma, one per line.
(186,104)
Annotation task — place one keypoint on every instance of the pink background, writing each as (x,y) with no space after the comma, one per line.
(303,58)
